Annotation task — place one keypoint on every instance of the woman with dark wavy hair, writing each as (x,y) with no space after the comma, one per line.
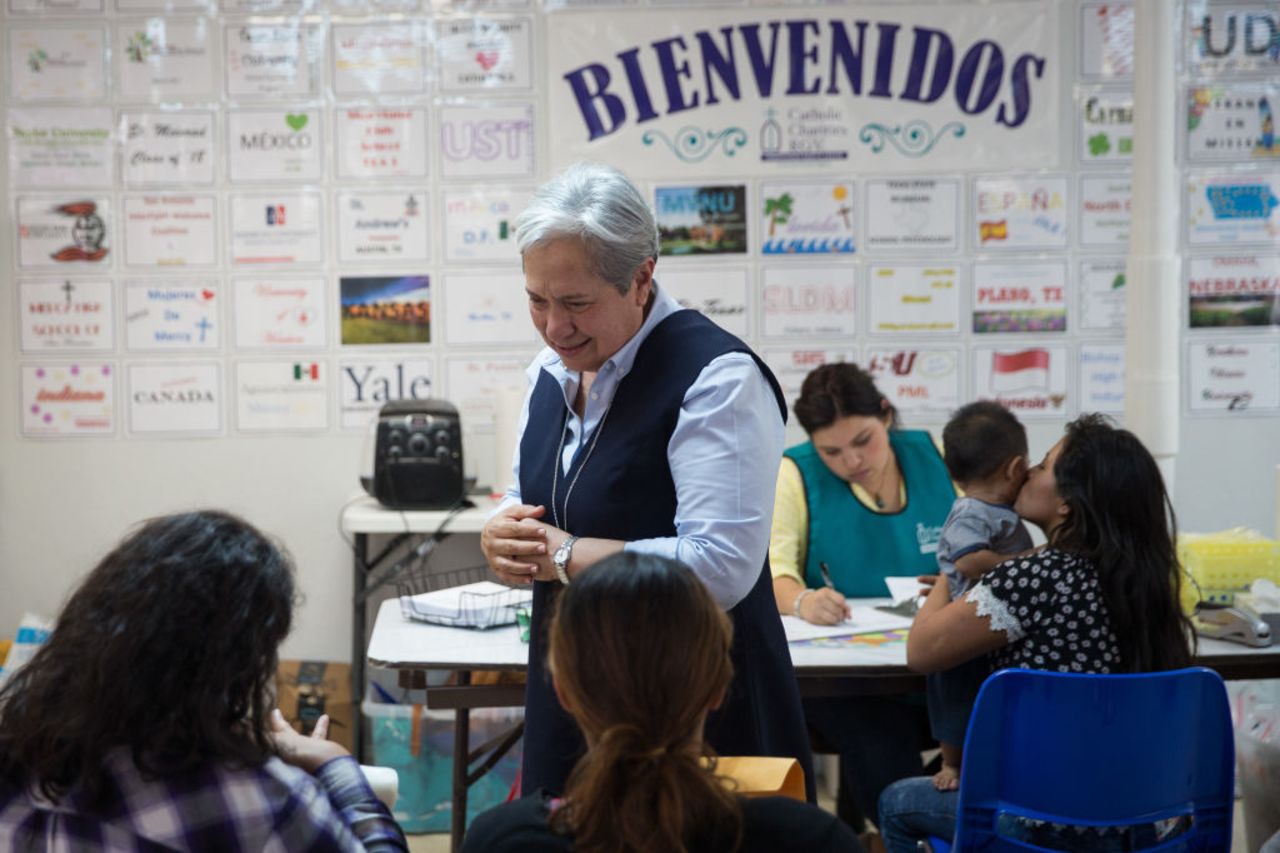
(145,721)
(1103,596)
(639,654)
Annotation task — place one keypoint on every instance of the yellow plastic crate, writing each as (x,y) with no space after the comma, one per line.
(1226,562)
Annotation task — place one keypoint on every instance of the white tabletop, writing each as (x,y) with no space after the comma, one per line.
(365,515)
(400,643)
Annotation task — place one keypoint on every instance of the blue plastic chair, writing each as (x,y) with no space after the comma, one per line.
(1097,750)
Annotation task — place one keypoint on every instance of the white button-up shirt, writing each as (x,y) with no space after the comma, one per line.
(723,455)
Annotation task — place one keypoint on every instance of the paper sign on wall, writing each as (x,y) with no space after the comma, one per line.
(1105,211)
(385,309)
(1233,376)
(472,383)
(1233,290)
(720,294)
(743,92)
(163,5)
(66,315)
(1020,213)
(1106,126)
(485,54)
(382,226)
(381,142)
(172,315)
(487,308)
(807,300)
(170,230)
(1102,378)
(807,218)
(1233,122)
(1019,297)
(61,147)
(40,7)
(1228,209)
(487,141)
(280,313)
(274,145)
(1029,380)
(283,228)
(913,213)
(380,59)
(165,60)
(1106,39)
(274,60)
(478,223)
(178,399)
(1232,38)
(924,379)
(1102,283)
(917,299)
(366,384)
(275,396)
(167,148)
(68,399)
(64,232)
(702,220)
(791,365)
(57,64)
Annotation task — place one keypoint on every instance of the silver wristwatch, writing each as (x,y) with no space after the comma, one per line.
(560,559)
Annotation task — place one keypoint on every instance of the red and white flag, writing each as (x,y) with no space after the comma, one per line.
(1020,371)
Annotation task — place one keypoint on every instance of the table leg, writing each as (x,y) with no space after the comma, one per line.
(461,760)
(358,643)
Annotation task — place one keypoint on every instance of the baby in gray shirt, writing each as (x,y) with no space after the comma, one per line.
(985,448)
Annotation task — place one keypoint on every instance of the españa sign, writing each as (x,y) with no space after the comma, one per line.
(759,91)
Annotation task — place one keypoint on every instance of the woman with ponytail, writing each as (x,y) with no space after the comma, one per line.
(639,654)
(1101,597)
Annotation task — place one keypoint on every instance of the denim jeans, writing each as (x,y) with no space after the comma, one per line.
(911,810)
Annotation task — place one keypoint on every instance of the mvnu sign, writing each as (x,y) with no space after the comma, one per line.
(805,56)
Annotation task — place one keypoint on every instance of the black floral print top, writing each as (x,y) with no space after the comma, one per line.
(1051,606)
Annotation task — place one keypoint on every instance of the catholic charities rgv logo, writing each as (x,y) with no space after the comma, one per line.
(82,226)
(38,59)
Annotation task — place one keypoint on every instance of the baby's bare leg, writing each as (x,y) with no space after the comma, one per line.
(948,778)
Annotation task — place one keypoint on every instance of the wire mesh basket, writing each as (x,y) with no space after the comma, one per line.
(467,598)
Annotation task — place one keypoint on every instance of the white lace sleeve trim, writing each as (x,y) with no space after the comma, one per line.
(991,606)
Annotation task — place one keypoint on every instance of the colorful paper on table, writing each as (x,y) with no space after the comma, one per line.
(862,620)
(873,640)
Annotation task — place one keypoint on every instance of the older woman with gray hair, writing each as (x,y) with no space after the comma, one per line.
(646,428)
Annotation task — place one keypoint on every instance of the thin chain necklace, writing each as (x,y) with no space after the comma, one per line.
(875,495)
(555,474)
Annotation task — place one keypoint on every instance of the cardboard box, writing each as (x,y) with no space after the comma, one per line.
(306,689)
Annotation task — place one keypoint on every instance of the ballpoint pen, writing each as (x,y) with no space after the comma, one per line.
(826,574)
(826,580)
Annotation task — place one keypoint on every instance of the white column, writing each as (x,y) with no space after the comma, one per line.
(1153,289)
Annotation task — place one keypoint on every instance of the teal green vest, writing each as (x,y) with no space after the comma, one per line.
(862,547)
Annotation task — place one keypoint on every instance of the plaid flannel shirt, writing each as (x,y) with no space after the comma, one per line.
(274,807)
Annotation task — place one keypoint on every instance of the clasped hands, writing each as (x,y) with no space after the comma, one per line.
(518,545)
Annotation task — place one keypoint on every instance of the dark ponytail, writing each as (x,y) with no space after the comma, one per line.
(1120,518)
(640,652)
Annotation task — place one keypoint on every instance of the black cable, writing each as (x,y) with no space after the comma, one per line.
(421,552)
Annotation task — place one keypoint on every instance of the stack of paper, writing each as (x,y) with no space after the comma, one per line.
(862,620)
(474,605)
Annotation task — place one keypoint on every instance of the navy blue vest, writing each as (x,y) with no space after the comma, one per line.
(625,491)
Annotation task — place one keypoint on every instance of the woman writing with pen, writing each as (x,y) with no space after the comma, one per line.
(860,501)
